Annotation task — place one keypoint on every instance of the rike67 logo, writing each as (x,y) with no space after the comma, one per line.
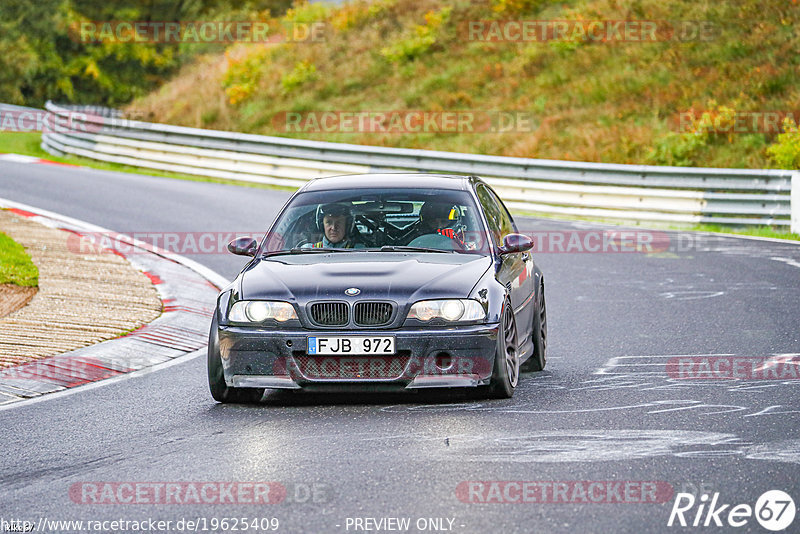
(774,510)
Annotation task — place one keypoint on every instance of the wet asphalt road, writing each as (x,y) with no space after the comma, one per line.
(606,409)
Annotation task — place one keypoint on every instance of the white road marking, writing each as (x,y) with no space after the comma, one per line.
(787,261)
(105,382)
(613,364)
(18,158)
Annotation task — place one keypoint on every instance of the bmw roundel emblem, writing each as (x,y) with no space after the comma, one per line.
(352,292)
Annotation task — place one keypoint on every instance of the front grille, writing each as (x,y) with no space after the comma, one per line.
(373,368)
(373,313)
(329,313)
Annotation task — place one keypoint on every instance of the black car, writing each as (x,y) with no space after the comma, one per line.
(381,282)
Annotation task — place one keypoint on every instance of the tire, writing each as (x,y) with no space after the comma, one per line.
(216,378)
(505,373)
(538,359)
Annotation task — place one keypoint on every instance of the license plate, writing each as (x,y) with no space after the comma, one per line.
(351,345)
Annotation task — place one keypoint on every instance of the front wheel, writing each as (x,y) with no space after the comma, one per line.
(505,373)
(538,359)
(216,377)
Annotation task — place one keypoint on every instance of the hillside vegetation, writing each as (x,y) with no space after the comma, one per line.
(591,101)
(43,57)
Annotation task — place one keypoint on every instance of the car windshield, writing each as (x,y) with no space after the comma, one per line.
(379,220)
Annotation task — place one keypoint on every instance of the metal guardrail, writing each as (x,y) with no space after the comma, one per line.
(630,193)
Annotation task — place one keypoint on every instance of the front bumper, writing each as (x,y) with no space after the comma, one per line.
(461,356)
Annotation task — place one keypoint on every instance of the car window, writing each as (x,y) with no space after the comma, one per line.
(507,225)
(499,219)
(493,214)
(375,218)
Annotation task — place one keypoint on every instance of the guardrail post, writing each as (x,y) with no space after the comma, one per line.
(796,203)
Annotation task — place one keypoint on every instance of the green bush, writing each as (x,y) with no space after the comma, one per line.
(303,72)
(516,6)
(356,14)
(680,150)
(420,40)
(45,55)
(714,126)
(307,13)
(242,76)
(785,152)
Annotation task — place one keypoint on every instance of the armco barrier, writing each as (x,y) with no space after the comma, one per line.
(630,193)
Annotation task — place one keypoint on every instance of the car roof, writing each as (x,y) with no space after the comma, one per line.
(388,180)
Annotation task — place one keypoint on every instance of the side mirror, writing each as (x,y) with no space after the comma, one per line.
(243,246)
(516,243)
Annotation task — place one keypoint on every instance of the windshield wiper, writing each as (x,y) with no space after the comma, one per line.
(403,248)
(305,250)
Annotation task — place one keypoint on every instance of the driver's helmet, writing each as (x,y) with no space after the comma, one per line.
(336,209)
(435,215)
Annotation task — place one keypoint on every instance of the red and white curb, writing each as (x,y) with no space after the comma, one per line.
(19,158)
(188,294)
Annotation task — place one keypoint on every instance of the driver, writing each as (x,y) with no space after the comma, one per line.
(434,217)
(438,218)
(336,223)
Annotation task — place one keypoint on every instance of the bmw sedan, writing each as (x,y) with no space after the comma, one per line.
(381,282)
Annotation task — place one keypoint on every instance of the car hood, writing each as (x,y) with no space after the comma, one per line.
(378,275)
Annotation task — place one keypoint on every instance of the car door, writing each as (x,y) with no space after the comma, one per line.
(526,279)
(514,270)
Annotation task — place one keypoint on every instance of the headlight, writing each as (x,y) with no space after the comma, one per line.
(451,310)
(258,311)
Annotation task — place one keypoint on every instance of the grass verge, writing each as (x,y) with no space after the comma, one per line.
(756,231)
(16,266)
